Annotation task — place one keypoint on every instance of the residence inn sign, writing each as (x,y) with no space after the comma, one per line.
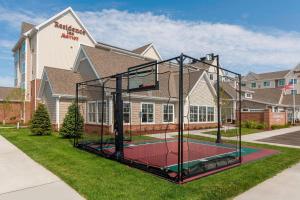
(70,31)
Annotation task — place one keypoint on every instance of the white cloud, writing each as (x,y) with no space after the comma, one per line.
(6,44)
(240,49)
(7,81)
(15,17)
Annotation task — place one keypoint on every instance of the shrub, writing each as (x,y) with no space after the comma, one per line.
(279,126)
(40,123)
(253,125)
(68,127)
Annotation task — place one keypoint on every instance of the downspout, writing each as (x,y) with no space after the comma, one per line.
(57,113)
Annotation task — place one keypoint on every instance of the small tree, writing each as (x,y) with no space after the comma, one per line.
(40,123)
(68,128)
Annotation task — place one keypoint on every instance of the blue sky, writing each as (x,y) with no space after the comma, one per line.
(249,35)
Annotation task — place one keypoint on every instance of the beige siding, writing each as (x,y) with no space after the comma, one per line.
(86,71)
(60,52)
(151,53)
(158,112)
(50,103)
(63,109)
(201,95)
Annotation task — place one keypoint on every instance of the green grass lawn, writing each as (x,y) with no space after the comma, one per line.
(99,178)
(233,132)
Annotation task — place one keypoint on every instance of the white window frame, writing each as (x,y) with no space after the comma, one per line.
(199,113)
(197,121)
(279,82)
(130,112)
(206,114)
(248,95)
(268,83)
(106,112)
(88,112)
(214,113)
(254,83)
(141,114)
(294,91)
(163,120)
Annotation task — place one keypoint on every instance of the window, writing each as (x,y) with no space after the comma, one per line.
(293,81)
(253,85)
(243,84)
(92,112)
(266,83)
(211,76)
(126,112)
(202,113)
(100,105)
(147,113)
(293,92)
(193,113)
(248,95)
(281,82)
(210,114)
(168,113)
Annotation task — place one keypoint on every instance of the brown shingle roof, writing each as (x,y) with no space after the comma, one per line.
(268,95)
(7,92)
(141,49)
(107,62)
(26,27)
(62,81)
(270,75)
(288,100)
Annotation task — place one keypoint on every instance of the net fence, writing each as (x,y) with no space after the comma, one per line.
(179,117)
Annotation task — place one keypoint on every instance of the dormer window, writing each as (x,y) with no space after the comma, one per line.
(248,95)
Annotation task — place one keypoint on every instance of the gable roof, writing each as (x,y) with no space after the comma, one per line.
(107,62)
(62,82)
(51,19)
(141,49)
(26,27)
(268,75)
(267,95)
(288,100)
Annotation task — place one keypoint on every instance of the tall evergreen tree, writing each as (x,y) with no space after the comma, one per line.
(68,128)
(40,123)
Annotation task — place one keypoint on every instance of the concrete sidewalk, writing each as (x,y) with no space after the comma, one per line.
(23,178)
(266,134)
(285,185)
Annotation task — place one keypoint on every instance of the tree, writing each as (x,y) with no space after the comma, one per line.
(40,123)
(68,128)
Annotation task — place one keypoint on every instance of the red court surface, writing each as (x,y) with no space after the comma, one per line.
(165,154)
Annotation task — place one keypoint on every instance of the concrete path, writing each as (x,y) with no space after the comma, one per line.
(23,178)
(285,185)
(255,137)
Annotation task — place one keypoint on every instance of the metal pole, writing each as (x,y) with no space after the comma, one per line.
(119,116)
(181,121)
(76,117)
(240,118)
(102,115)
(218,102)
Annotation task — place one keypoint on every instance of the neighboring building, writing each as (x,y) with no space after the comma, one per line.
(54,42)
(277,79)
